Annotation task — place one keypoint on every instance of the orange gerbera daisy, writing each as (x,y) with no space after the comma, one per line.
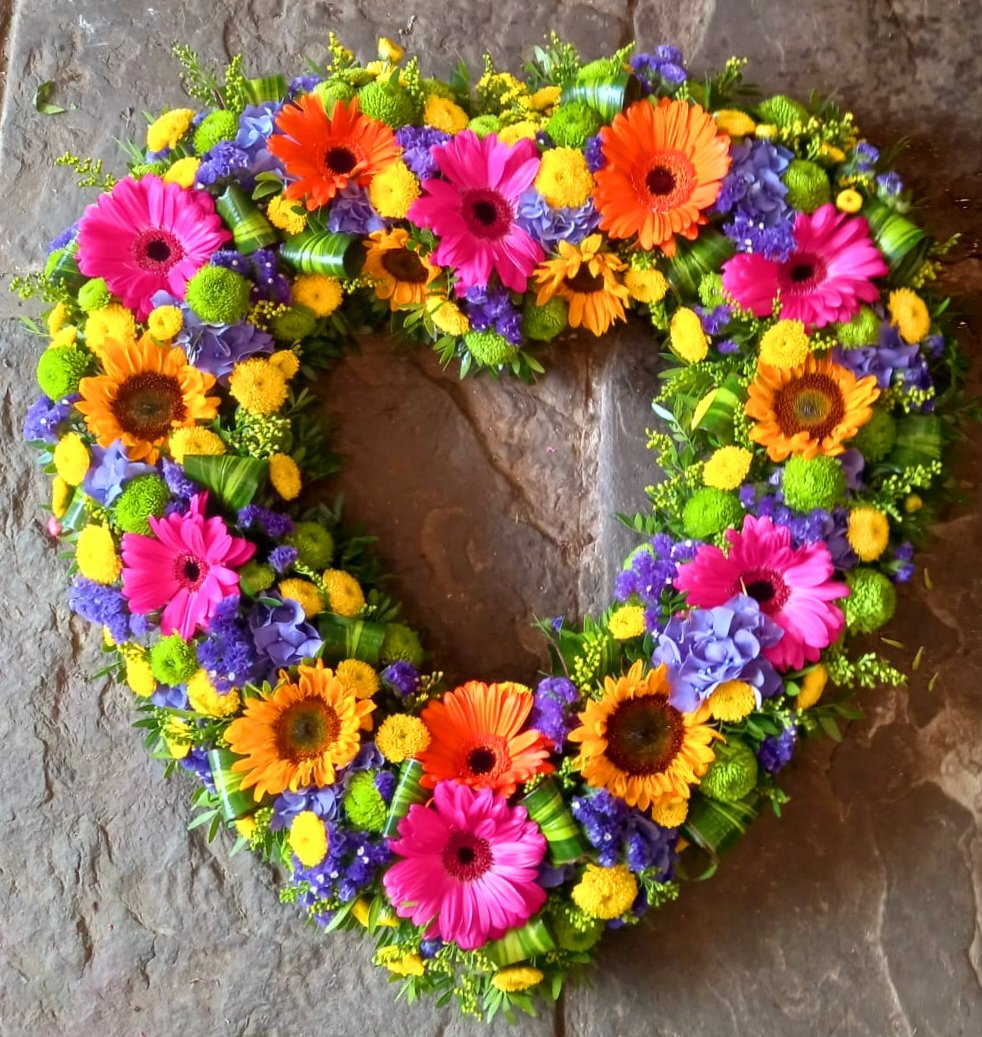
(586,278)
(665,166)
(637,745)
(400,273)
(300,733)
(475,739)
(144,393)
(323,155)
(810,409)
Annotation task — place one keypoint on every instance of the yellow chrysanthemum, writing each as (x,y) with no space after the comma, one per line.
(177,737)
(344,594)
(165,322)
(246,826)
(308,838)
(95,554)
(183,172)
(139,675)
(402,737)
(605,893)
(732,701)
(394,189)
(399,962)
(734,123)
(727,467)
(196,441)
(849,200)
(304,592)
(442,114)
(524,130)
(564,178)
(544,99)
(284,474)
(206,700)
(61,495)
(285,215)
(647,286)
(868,533)
(785,345)
(910,315)
(812,686)
(258,386)
(447,316)
(167,130)
(688,340)
(286,362)
(318,292)
(66,336)
(57,318)
(112,323)
(670,813)
(360,676)
(516,978)
(71,458)
(626,622)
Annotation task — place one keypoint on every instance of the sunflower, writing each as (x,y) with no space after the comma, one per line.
(637,745)
(299,734)
(144,393)
(665,166)
(475,739)
(323,154)
(810,409)
(400,273)
(587,279)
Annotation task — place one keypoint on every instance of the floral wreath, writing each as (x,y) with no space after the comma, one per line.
(485,836)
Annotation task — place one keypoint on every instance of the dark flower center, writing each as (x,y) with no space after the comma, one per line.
(404,265)
(306,729)
(487,214)
(660,180)
(466,857)
(668,182)
(481,761)
(766,587)
(584,282)
(147,404)
(191,572)
(811,403)
(644,735)
(485,757)
(801,274)
(157,249)
(340,160)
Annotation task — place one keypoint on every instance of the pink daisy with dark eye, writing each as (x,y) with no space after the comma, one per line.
(472,211)
(148,236)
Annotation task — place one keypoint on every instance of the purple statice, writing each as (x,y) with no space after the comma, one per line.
(728,347)
(227,654)
(111,468)
(889,185)
(303,85)
(753,194)
(865,156)
(553,712)
(900,567)
(230,259)
(401,677)
(775,243)
(282,557)
(665,62)
(196,763)
(853,465)
(268,282)
(775,751)
(351,212)
(170,698)
(273,523)
(549,226)
(705,647)
(224,162)
(651,569)
(103,605)
(714,320)
(44,418)
(430,948)
(324,802)
(593,152)
(352,863)
(416,143)
(622,834)
(282,636)
(492,308)
(66,237)
(177,482)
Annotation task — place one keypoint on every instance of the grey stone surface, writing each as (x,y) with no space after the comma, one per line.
(857,914)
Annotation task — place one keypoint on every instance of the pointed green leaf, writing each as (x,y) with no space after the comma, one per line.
(234,480)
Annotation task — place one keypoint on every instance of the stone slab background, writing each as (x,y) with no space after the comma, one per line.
(857,914)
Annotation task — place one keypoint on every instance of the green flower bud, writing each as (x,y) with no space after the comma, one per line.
(173,660)
(544,323)
(818,482)
(144,496)
(60,370)
(363,803)
(711,290)
(489,348)
(314,544)
(331,91)
(93,295)
(255,577)
(400,643)
(575,931)
(293,324)
(732,775)
(213,128)
(602,68)
(862,330)
(808,185)
(387,102)
(782,111)
(871,602)
(710,511)
(218,296)
(878,436)
(572,123)
(482,125)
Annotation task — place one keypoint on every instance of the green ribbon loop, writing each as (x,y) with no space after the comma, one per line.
(919,441)
(62,268)
(904,245)
(235,802)
(521,944)
(546,806)
(409,792)
(266,88)
(715,827)
(250,228)
(233,480)
(351,639)
(323,252)
(692,259)
(608,95)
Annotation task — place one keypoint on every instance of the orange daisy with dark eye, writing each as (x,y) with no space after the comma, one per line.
(665,166)
(477,739)
(322,154)
(400,273)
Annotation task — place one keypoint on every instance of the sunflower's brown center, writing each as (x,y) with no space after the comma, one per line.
(644,735)
(157,250)
(811,403)
(306,729)
(485,758)
(404,265)
(801,274)
(766,587)
(668,181)
(585,282)
(147,404)
(340,160)
(466,857)
(487,214)
(190,571)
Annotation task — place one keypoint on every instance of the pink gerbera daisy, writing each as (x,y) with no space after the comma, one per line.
(147,236)
(469,868)
(793,586)
(472,211)
(186,568)
(823,281)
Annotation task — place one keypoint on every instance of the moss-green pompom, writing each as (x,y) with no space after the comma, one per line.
(782,111)
(173,660)
(434,88)
(871,602)
(817,482)
(862,330)
(141,169)
(363,803)
(602,68)
(387,102)
(732,775)
(575,931)
(482,125)
(93,295)
(711,290)
(331,91)
(314,544)
(255,577)
(544,323)
(400,643)
(60,370)
(145,496)
(571,124)
(293,324)
(218,126)
(878,436)
(710,511)
(489,348)
(808,186)
(218,296)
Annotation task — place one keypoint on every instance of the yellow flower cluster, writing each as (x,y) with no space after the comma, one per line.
(564,178)
(626,622)
(167,130)
(394,189)
(308,838)
(689,342)
(344,594)
(727,467)
(785,345)
(317,292)
(206,700)
(402,737)
(605,893)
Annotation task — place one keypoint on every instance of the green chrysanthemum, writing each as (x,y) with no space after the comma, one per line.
(572,123)
(808,186)
(218,296)
(862,330)
(213,128)
(782,111)
(363,803)
(60,370)
(173,660)
(872,600)
(544,323)
(145,496)
(710,511)
(331,91)
(93,295)
(574,930)
(818,482)
(878,436)
(711,289)
(602,68)
(732,774)
(399,643)
(293,324)
(313,543)
(482,125)
(255,577)
(489,348)
(387,102)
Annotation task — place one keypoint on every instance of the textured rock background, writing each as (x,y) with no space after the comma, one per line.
(858,914)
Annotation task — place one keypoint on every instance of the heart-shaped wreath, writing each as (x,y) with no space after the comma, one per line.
(487,835)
